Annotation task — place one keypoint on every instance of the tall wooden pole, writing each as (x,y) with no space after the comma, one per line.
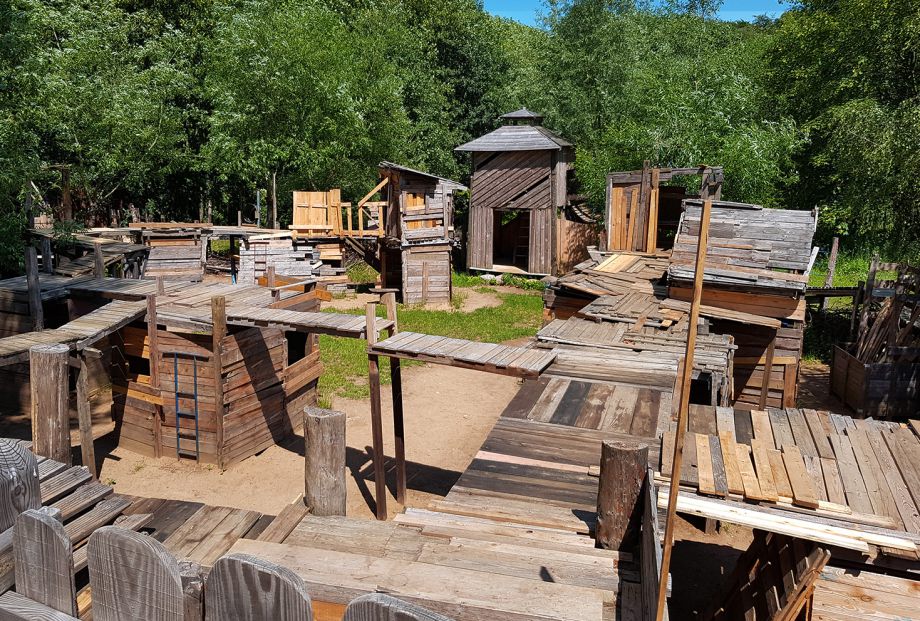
(373,377)
(49,377)
(218,332)
(153,347)
(686,376)
(389,301)
(98,260)
(33,285)
(85,418)
(274,202)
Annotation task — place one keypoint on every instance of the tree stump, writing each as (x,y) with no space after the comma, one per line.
(324,461)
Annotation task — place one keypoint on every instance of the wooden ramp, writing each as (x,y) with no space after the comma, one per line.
(489,357)
(79,333)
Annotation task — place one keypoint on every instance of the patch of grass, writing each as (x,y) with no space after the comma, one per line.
(220,247)
(361,273)
(520,282)
(465,279)
(345,360)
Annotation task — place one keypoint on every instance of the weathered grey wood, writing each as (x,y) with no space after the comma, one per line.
(85,416)
(16,607)
(192,590)
(133,577)
(19,483)
(373,380)
(324,461)
(47,264)
(381,607)
(49,376)
(619,494)
(242,587)
(43,559)
(98,261)
(34,290)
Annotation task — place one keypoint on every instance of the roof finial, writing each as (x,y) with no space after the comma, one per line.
(522,117)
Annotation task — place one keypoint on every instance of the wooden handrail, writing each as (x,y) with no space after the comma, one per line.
(376,189)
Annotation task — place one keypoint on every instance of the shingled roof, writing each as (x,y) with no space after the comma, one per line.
(529,136)
(749,246)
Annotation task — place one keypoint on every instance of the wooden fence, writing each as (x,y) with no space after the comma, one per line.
(134,577)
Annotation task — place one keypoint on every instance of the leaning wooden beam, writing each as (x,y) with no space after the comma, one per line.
(376,189)
(683,410)
(218,332)
(324,461)
(49,375)
(767,372)
(389,300)
(373,376)
(85,417)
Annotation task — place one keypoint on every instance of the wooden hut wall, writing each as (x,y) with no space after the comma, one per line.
(572,241)
(479,245)
(541,248)
(176,257)
(426,274)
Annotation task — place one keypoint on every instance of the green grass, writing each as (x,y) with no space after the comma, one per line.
(466,280)
(361,273)
(220,246)
(345,360)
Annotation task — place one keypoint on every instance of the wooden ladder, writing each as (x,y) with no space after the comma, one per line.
(180,435)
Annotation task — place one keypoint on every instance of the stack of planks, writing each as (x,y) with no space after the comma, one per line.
(615,273)
(175,255)
(289,257)
(816,463)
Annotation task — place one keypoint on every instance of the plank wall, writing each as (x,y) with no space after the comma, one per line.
(426,274)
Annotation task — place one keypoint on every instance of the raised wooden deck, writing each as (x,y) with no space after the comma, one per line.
(488,357)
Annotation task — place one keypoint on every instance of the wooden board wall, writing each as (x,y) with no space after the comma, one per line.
(426,274)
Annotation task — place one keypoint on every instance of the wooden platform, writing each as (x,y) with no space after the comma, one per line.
(853,595)
(489,357)
(79,333)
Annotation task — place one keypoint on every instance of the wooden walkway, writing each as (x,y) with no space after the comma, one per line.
(488,357)
(78,334)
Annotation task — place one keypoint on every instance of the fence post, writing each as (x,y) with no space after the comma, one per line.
(619,494)
(19,486)
(49,376)
(324,461)
(34,289)
(43,559)
(271,591)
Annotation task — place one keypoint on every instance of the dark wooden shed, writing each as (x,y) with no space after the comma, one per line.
(517,221)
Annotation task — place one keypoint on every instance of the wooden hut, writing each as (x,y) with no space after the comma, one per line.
(756,272)
(417,218)
(518,222)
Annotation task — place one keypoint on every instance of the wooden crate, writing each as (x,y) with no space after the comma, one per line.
(879,390)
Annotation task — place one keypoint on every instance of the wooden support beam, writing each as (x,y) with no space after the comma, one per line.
(34,289)
(389,301)
(98,260)
(376,189)
(153,349)
(47,262)
(49,375)
(767,371)
(831,267)
(85,417)
(373,376)
(684,408)
(218,332)
(619,494)
(324,461)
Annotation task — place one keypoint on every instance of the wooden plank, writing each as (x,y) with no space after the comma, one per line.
(780,476)
(718,466)
(801,432)
(382,607)
(818,434)
(873,476)
(765,480)
(832,482)
(782,430)
(855,488)
(17,607)
(730,460)
(707,484)
(902,444)
(760,422)
(748,476)
(241,586)
(803,489)
(909,512)
(813,467)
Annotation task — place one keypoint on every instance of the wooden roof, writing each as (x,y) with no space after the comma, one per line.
(517,138)
(452,185)
(749,246)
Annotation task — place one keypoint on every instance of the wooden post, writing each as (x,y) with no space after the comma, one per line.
(98,260)
(218,332)
(767,372)
(389,301)
(324,461)
(210,211)
(274,201)
(373,377)
(48,377)
(192,590)
(270,282)
(619,494)
(686,376)
(35,290)
(831,266)
(47,264)
(239,218)
(153,349)
(161,286)
(85,417)
(232,261)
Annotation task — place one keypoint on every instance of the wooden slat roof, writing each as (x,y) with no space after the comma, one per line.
(517,138)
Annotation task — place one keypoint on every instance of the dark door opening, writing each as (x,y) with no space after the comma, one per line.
(511,239)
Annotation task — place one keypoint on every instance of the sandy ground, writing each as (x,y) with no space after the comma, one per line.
(448,413)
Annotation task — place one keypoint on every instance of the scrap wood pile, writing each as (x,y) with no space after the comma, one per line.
(604,274)
(889,331)
(815,475)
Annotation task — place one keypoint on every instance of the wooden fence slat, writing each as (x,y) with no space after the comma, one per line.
(43,560)
(242,587)
(133,577)
(19,484)
(381,607)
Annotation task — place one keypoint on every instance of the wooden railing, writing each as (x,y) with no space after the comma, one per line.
(133,576)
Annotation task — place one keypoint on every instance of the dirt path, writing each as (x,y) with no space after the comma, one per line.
(449,412)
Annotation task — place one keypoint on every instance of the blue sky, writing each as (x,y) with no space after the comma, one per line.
(526,10)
